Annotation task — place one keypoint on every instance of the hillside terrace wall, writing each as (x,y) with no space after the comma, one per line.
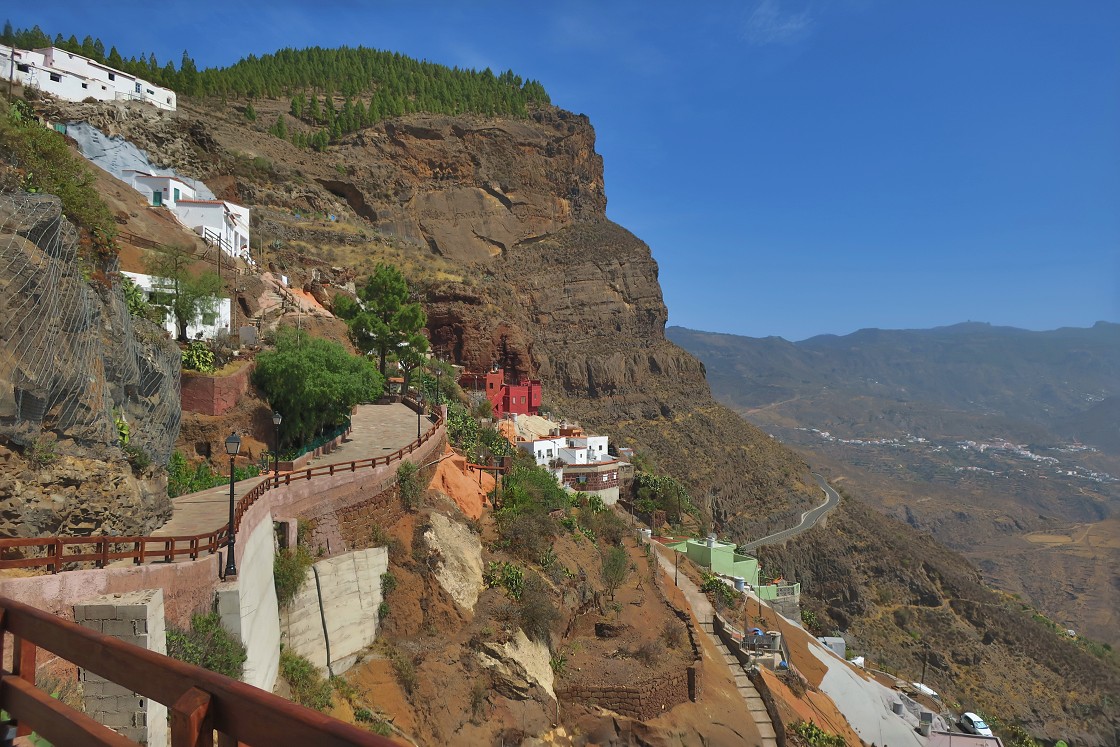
(652,697)
(213,395)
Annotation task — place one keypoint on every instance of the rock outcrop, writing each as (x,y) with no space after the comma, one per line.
(76,372)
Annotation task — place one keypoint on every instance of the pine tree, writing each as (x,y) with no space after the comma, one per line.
(280,129)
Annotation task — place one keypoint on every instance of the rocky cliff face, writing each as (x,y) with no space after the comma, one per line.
(72,364)
(556,291)
(472,189)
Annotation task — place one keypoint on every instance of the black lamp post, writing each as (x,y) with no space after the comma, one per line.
(276,419)
(233,445)
(419,409)
(439,375)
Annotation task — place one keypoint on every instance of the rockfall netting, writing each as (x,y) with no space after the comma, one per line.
(73,362)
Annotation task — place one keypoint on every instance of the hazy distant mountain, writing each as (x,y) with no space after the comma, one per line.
(1003,443)
(1040,377)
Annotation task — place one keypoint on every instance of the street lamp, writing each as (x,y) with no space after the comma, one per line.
(233,445)
(276,419)
(419,410)
(439,378)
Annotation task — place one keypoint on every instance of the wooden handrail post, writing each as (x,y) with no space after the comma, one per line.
(57,556)
(23,666)
(192,724)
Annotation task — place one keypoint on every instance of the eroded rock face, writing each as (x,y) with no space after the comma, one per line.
(72,364)
(470,188)
(459,550)
(520,667)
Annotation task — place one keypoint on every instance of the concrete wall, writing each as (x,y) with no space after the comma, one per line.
(136,618)
(349,587)
(248,606)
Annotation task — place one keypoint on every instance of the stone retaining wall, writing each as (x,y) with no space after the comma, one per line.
(643,701)
(213,395)
(651,698)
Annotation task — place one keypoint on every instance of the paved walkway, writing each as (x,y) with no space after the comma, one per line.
(702,608)
(377,430)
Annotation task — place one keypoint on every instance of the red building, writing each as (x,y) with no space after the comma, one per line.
(504,398)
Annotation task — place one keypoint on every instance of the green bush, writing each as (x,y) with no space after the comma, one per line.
(50,167)
(615,569)
(722,594)
(505,575)
(207,644)
(815,736)
(182,478)
(315,382)
(289,572)
(409,485)
(309,688)
(536,612)
(198,357)
(405,671)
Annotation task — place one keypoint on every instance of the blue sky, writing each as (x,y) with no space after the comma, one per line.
(797,168)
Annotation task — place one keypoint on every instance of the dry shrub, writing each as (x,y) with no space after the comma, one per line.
(673,634)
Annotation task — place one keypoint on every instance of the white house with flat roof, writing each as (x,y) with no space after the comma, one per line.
(218,222)
(73,77)
(165,191)
(158,292)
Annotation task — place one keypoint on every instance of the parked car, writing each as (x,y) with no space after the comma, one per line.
(973,724)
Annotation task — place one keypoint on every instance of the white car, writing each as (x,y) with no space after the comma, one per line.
(973,724)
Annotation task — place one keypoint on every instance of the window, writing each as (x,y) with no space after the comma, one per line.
(522,400)
(23,68)
(56,77)
(85,85)
(137,87)
(176,194)
(112,76)
(150,92)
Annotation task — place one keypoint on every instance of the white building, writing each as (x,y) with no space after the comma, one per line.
(218,222)
(73,77)
(165,191)
(582,463)
(157,291)
(544,450)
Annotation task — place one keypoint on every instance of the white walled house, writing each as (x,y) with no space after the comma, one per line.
(218,222)
(73,77)
(165,191)
(544,450)
(157,289)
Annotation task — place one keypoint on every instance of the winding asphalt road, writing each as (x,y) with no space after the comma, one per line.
(809,519)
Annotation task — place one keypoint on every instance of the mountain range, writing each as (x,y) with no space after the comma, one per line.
(1001,442)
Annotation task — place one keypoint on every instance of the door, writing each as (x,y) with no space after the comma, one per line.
(157,198)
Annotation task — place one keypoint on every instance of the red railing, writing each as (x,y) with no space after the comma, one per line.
(52,552)
(199,701)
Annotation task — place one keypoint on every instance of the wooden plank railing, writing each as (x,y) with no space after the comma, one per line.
(58,554)
(199,701)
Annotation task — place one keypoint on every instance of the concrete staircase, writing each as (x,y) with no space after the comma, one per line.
(702,608)
(746,689)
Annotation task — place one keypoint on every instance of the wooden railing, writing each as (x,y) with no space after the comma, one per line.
(55,553)
(199,701)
